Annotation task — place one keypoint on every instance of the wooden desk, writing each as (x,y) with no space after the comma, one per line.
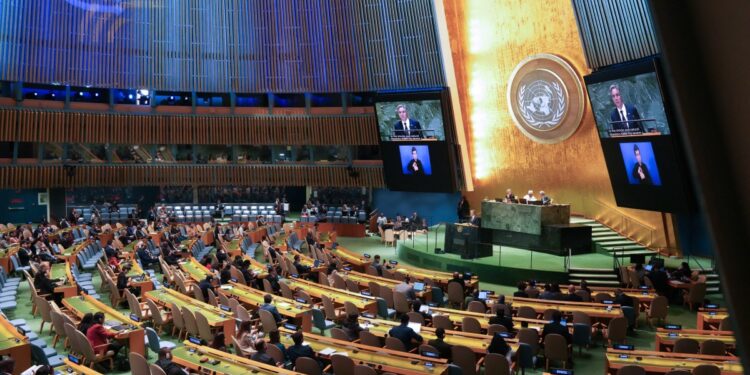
(343,230)
(306,261)
(190,356)
(666,338)
(457,316)
(61,271)
(300,313)
(338,296)
(357,261)
(70,368)
(134,334)
(663,362)
(476,342)
(146,284)
(363,280)
(645,296)
(597,311)
(216,317)
(438,277)
(710,318)
(384,360)
(257,267)
(14,345)
(233,247)
(256,235)
(195,270)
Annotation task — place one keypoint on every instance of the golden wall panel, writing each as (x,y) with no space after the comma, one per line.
(488,39)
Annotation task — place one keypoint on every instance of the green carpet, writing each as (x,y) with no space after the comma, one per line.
(591,362)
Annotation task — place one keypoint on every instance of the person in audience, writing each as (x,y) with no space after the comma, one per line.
(110,250)
(170,255)
(572,296)
(457,278)
(273,278)
(351,327)
(299,349)
(25,253)
(499,346)
(622,299)
(246,338)
(218,342)
(377,265)
(659,279)
(509,197)
(521,292)
(86,322)
(99,337)
(683,273)
(274,338)
(205,285)
(301,268)
(584,285)
(640,272)
(555,327)
(225,275)
(124,282)
(474,219)
(547,293)
(406,289)
(114,264)
(261,355)
(268,306)
(502,319)
(165,363)
(44,285)
(382,220)
(406,334)
(147,259)
(439,343)
(532,289)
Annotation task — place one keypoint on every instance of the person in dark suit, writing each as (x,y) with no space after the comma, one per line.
(660,279)
(415,165)
(44,285)
(509,197)
(439,343)
(205,285)
(622,115)
(640,171)
(572,296)
(521,292)
(298,349)
(301,268)
(474,219)
(555,327)
(261,355)
(406,334)
(267,299)
(145,256)
(463,208)
(406,127)
(546,200)
(502,319)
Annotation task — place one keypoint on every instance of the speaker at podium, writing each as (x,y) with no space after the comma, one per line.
(468,241)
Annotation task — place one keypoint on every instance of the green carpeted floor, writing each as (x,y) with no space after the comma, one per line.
(591,362)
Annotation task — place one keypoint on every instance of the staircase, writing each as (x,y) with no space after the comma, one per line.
(713,284)
(610,242)
(606,277)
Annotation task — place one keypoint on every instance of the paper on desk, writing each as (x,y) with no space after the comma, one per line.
(415,326)
(424,309)
(327,351)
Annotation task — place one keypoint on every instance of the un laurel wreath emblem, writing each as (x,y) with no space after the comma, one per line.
(545,98)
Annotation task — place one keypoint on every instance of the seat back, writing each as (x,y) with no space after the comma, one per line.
(442,321)
(369,339)
(581,317)
(494,328)
(706,369)
(342,365)
(526,312)
(455,293)
(697,293)
(307,366)
(339,334)
(415,317)
(686,345)
(364,370)
(394,344)
(530,337)
(352,286)
(138,364)
(710,347)
(464,358)
(267,320)
(617,329)
(555,347)
(191,325)
(496,364)
(204,329)
(386,293)
(156,370)
(581,334)
(400,303)
(177,320)
(471,325)
(477,307)
(286,291)
(275,353)
(631,370)
(658,308)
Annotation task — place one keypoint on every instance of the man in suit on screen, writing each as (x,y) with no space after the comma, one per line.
(622,115)
(415,165)
(406,127)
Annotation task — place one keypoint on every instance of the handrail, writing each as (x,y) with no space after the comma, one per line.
(625,222)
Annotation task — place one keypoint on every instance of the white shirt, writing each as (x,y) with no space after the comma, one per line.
(406,124)
(623,112)
(529,197)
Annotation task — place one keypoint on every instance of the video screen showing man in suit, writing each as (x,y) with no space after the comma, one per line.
(415,160)
(410,120)
(640,163)
(624,116)
(629,106)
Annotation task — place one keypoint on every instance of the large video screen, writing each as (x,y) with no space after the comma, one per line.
(629,106)
(407,120)
(417,166)
(645,166)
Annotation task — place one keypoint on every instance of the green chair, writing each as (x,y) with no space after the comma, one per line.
(320,322)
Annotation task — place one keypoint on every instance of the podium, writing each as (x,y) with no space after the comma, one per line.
(468,241)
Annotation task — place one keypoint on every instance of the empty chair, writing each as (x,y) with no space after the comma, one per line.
(547,315)
(155,343)
(415,317)
(695,295)
(658,309)
(267,320)
(711,347)
(442,321)
(367,338)
(400,303)
(394,344)
(530,337)
(494,328)
(678,372)
(456,295)
(706,369)
(617,330)
(477,307)
(600,297)
(581,317)
(156,370)
(496,364)
(686,345)
(581,335)
(138,364)
(631,370)
(339,334)
(342,365)
(555,349)
(178,324)
(465,358)
(191,326)
(526,312)
(320,322)
(471,325)
(364,370)
(307,366)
